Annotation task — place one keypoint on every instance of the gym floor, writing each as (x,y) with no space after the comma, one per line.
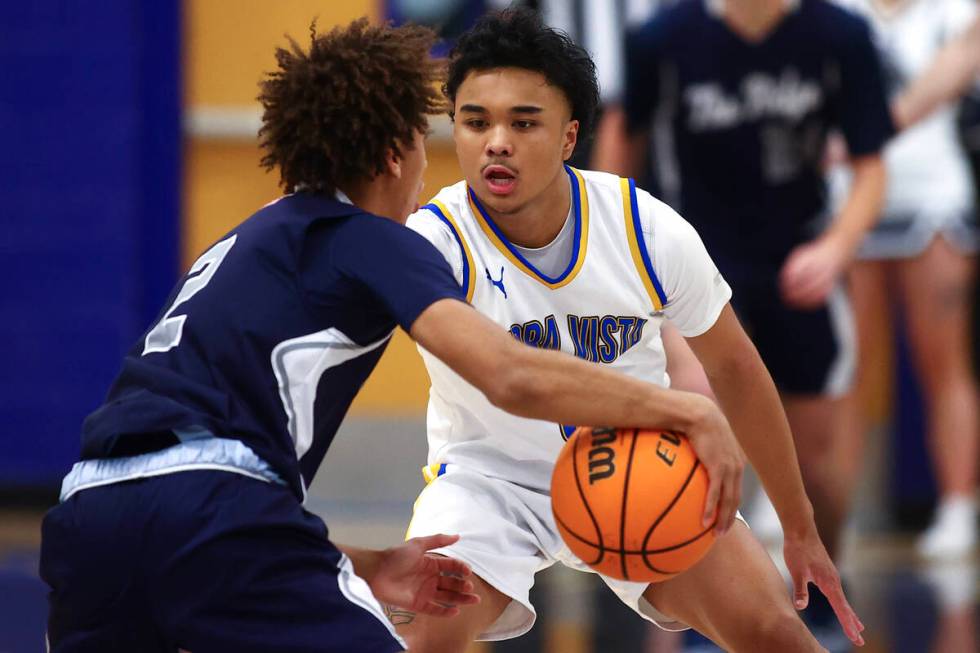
(907,605)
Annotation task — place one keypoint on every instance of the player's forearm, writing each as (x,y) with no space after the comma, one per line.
(552,386)
(365,561)
(947,78)
(863,206)
(616,150)
(613,152)
(549,385)
(748,398)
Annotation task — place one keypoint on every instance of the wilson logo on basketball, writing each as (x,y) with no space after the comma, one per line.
(602,456)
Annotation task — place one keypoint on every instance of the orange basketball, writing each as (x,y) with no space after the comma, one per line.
(628,502)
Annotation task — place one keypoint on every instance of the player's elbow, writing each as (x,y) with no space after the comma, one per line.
(734,366)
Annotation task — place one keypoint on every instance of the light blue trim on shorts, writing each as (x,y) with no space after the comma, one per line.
(198,449)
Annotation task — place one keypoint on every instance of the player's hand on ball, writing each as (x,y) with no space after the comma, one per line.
(413,579)
(808,562)
(723,458)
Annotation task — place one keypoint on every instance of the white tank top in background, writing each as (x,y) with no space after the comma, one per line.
(928,174)
(633,263)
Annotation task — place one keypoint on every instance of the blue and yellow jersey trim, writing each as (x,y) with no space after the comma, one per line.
(433,471)
(638,247)
(429,473)
(580,204)
(441,212)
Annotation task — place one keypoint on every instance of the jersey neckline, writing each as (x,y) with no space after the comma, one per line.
(580,208)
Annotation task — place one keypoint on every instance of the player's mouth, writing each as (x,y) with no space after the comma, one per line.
(501,180)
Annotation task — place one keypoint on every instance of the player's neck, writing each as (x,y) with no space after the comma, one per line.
(889,6)
(753,20)
(373,197)
(538,222)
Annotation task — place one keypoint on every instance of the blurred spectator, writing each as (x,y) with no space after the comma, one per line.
(947,77)
(740,96)
(449,18)
(923,252)
(599,26)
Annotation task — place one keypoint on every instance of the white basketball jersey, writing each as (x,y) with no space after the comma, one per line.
(634,262)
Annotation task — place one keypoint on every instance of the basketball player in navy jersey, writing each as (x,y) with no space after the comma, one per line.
(183,525)
(739,96)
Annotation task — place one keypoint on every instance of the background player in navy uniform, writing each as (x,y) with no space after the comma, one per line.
(183,525)
(740,95)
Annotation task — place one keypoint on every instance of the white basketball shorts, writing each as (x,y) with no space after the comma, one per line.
(508,534)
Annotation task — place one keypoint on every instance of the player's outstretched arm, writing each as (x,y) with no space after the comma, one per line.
(749,399)
(408,577)
(551,385)
(948,77)
(812,269)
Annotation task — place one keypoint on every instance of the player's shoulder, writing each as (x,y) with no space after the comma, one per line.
(606,186)
(452,198)
(837,21)
(679,14)
(598,181)
(292,219)
(662,223)
(441,211)
(669,24)
(364,234)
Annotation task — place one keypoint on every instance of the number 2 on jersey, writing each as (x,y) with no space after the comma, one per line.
(168,331)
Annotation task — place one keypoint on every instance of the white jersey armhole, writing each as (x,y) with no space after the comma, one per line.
(696,291)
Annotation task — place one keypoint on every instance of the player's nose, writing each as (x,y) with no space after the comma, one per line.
(499,142)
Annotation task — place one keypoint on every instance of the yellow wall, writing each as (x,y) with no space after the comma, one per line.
(223,183)
(228,45)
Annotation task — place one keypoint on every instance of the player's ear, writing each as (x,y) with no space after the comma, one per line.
(393,163)
(570,139)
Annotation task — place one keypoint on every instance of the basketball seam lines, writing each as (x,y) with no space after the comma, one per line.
(632,552)
(679,545)
(626,494)
(669,507)
(611,550)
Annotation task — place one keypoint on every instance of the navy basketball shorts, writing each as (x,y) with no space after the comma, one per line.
(808,352)
(202,561)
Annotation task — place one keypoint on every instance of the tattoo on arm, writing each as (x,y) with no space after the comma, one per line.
(397,616)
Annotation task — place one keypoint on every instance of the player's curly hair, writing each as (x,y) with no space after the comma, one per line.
(517,38)
(331,114)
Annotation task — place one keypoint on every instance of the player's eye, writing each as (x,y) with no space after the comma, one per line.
(476,123)
(524,124)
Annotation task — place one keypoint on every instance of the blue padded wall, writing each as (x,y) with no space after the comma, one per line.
(89,190)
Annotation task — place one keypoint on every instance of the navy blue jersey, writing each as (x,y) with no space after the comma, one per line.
(271,334)
(740,127)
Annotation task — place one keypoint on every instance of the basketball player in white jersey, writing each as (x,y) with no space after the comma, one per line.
(585,262)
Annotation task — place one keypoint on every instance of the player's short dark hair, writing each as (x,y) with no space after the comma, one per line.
(517,38)
(331,114)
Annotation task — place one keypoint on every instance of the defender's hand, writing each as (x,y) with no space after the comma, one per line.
(410,578)
(808,562)
(723,459)
(810,272)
